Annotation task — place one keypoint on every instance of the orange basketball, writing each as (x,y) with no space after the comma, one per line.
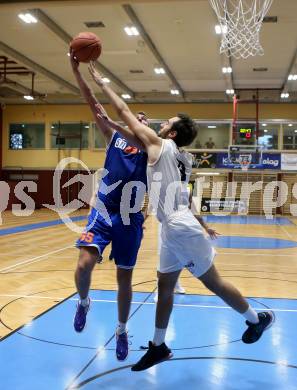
(86,47)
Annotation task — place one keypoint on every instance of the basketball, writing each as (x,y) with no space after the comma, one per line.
(86,47)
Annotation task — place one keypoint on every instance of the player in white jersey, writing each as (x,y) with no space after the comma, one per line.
(185,162)
(183,242)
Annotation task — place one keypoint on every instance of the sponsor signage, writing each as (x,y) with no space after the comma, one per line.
(226,205)
(204,160)
(289,161)
(269,161)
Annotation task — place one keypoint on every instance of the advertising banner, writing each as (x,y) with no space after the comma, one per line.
(269,161)
(204,160)
(227,205)
(289,161)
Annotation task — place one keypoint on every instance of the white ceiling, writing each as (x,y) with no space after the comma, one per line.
(182,32)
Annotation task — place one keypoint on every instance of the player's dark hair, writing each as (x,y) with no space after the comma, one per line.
(186,130)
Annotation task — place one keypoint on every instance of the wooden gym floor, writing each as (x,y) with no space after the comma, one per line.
(37,262)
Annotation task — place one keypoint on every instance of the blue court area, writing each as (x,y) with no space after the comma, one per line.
(204,334)
(37,226)
(247,220)
(244,242)
(225,219)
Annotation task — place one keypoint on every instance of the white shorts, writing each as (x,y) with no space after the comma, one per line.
(184,245)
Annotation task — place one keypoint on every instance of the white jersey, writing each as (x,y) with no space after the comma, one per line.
(182,243)
(167,180)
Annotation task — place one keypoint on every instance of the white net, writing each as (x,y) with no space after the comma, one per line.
(245,161)
(240,24)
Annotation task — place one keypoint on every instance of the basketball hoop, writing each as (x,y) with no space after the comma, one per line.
(241,22)
(245,161)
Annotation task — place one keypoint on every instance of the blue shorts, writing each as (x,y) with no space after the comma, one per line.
(126,239)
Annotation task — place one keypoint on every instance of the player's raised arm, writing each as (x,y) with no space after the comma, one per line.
(126,132)
(146,135)
(88,94)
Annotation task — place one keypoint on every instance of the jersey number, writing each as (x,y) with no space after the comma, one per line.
(87,237)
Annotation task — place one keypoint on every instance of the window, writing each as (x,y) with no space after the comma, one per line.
(268,135)
(27,136)
(290,136)
(70,135)
(211,135)
(99,140)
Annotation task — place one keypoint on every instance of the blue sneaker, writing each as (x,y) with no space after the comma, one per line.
(81,316)
(122,348)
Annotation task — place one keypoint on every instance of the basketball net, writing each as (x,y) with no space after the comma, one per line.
(241,22)
(245,161)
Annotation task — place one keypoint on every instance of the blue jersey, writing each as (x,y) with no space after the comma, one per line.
(124,163)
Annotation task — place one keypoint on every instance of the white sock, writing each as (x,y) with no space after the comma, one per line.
(121,327)
(159,336)
(251,315)
(84,301)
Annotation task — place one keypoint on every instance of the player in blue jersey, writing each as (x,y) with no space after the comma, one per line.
(124,163)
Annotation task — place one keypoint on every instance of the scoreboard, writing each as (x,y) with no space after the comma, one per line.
(246,130)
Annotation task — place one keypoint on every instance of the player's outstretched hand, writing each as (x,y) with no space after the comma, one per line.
(102,114)
(95,74)
(212,233)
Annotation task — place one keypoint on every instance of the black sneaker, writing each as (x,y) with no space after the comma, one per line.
(154,355)
(254,331)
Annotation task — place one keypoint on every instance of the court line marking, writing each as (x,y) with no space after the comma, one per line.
(34,259)
(146,303)
(286,232)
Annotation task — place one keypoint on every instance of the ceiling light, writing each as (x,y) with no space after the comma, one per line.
(285,95)
(131,31)
(264,124)
(28,97)
(230,91)
(292,77)
(27,18)
(265,131)
(106,80)
(174,92)
(290,124)
(87,127)
(221,29)
(126,96)
(227,69)
(295,131)
(68,54)
(212,127)
(159,70)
